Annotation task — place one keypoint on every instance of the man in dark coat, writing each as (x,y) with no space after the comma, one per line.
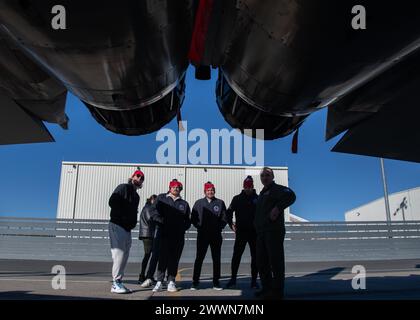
(209,217)
(173,217)
(269,224)
(244,206)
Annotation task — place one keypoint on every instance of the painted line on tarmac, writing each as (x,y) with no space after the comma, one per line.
(178,275)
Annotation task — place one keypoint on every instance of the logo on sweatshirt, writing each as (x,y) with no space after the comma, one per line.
(181,207)
(216,208)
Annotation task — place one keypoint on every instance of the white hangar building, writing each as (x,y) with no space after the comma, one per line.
(404,206)
(86,187)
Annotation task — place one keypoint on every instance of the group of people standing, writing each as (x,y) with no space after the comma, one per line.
(257,220)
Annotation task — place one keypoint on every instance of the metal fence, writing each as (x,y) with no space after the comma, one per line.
(82,240)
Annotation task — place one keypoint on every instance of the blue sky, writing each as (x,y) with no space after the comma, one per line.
(327,184)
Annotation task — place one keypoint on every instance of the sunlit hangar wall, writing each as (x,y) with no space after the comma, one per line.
(86,187)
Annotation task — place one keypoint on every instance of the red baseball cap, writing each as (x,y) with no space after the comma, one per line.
(208,185)
(175,183)
(138,173)
(248,182)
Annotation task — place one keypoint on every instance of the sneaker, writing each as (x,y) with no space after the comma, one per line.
(147,283)
(172,287)
(231,284)
(142,278)
(195,287)
(118,287)
(158,286)
(217,287)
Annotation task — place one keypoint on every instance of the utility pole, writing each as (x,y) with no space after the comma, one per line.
(387,210)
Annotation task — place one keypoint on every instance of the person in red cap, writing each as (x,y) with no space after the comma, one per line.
(244,207)
(209,217)
(173,217)
(124,203)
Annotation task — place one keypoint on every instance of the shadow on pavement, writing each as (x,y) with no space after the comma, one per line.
(333,283)
(322,286)
(27,295)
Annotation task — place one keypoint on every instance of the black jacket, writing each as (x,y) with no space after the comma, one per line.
(244,207)
(209,216)
(124,203)
(147,225)
(272,196)
(172,217)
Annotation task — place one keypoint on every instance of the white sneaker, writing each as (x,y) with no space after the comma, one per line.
(172,287)
(194,287)
(158,286)
(118,287)
(147,283)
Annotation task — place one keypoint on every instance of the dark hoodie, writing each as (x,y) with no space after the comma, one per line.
(124,203)
(209,216)
(244,207)
(172,216)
